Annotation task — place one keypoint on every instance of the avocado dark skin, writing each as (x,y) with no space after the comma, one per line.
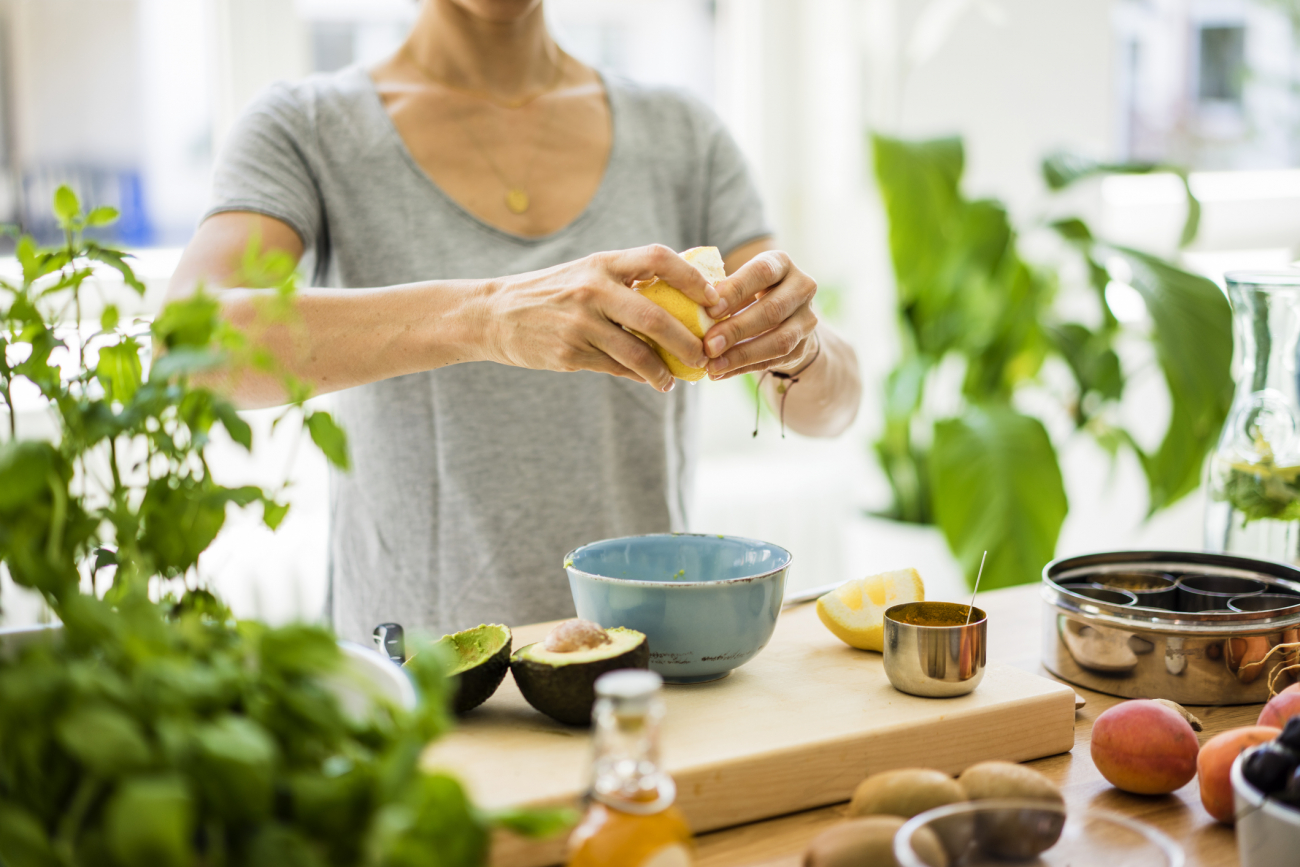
(476,684)
(566,693)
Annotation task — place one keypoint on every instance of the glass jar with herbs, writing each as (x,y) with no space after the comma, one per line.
(1254,490)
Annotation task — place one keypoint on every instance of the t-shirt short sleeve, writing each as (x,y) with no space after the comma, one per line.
(733,208)
(265,166)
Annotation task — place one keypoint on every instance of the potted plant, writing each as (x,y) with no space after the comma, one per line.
(157,729)
(986,473)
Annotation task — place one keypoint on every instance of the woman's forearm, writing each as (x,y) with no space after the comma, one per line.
(340,338)
(825,400)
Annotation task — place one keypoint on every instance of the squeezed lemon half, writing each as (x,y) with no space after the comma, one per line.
(855,611)
(708,261)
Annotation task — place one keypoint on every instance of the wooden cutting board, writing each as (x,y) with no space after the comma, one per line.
(798,727)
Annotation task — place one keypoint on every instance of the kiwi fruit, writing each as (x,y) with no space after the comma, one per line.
(870,841)
(1014,833)
(904,792)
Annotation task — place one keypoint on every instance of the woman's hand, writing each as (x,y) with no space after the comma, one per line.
(772,323)
(572,317)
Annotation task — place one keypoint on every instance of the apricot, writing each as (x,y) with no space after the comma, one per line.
(1280,708)
(1144,747)
(1214,766)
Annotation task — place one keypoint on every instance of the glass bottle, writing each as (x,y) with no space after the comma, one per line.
(631,820)
(1254,502)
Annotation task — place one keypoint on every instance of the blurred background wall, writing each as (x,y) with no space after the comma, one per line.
(129,101)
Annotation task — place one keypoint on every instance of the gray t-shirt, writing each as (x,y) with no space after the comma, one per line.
(471,482)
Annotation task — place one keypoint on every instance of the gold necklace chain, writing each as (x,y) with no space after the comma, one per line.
(517,198)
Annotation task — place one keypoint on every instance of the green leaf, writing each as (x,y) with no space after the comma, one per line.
(919,185)
(180,518)
(23,841)
(108,742)
(234,764)
(119,369)
(298,649)
(184,361)
(150,823)
(276,845)
(66,207)
(329,438)
(537,823)
(109,318)
(1062,169)
(998,489)
(273,513)
(238,429)
(102,216)
(1192,333)
(190,322)
(117,261)
(25,467)
(1073,229)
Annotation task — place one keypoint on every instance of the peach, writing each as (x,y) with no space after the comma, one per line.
(1280,708)
(1144,747)
(1214,766)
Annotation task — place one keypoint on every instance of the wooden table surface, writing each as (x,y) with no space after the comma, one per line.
(1014,636)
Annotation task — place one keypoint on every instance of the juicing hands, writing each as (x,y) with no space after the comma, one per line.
(572,317)
(771,324)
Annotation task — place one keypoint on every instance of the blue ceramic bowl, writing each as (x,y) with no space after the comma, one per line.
(707,604)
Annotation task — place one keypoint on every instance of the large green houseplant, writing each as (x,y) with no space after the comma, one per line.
(986,473)
(156,730)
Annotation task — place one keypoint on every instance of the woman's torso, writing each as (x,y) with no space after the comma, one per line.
(470,483)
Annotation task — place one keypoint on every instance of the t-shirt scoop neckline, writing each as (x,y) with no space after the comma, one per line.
(594,205)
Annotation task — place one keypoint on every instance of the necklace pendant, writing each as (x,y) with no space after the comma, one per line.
(516,200)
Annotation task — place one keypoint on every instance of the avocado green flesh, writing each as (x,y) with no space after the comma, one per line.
(481,655)
(563,685)
(621,641)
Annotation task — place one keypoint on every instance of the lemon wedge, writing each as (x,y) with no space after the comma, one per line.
(708,261)
(855,611)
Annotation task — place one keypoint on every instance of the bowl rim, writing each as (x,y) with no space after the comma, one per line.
(905,855)
(1254,798)
(744,579)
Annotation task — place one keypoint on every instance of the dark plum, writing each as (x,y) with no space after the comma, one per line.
(1290,736)
(1270,767)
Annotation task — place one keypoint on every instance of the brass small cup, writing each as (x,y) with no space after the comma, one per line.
(930,651)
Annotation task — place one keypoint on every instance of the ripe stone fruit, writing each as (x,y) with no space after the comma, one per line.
(1144,747)
(1280,708)
(1214,766)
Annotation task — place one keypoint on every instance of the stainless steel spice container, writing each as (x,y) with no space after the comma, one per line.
(1155,647)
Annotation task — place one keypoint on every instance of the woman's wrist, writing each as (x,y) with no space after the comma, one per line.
(457,325)
(812,352)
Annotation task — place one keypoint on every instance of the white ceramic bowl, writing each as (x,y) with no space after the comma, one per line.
(1268,833)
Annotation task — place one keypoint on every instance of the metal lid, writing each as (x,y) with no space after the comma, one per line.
(1279,577)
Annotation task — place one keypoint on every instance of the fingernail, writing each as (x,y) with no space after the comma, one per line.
(718,365)
(711,295)
(717,310)
(672,383)
(717,343)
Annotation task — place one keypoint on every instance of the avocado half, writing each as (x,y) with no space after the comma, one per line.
(563,685)
(480,657)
